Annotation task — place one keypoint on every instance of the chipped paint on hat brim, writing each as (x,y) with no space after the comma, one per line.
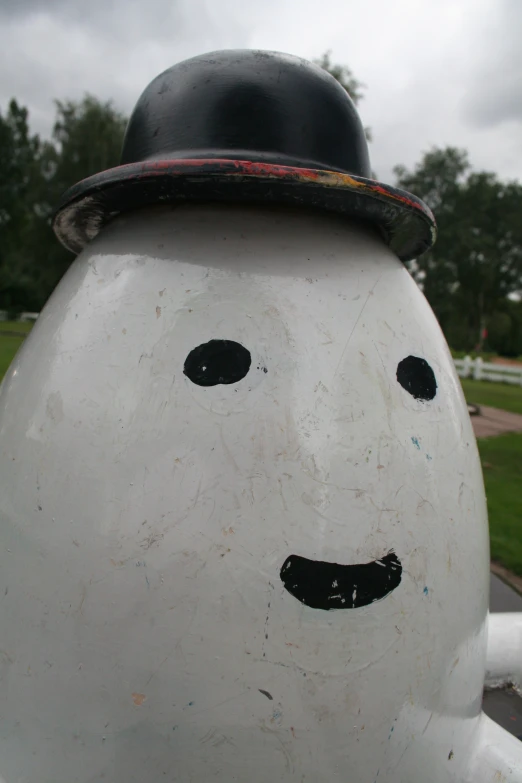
(87,206)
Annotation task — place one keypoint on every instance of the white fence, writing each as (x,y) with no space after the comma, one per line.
(28,317)
(487,371)
(4,316)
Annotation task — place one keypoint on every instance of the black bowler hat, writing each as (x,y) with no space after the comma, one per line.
(245,126)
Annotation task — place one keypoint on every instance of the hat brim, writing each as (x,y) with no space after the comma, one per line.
(407,224)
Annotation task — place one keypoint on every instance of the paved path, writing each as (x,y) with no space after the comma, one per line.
(493,421)
(505,707)
(502,598)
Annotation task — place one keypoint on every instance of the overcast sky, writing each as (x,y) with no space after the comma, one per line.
(437,72)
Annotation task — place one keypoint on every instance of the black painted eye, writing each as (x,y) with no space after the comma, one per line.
(218,361)
(416,376)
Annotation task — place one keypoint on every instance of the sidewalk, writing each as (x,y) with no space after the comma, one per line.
(493,421)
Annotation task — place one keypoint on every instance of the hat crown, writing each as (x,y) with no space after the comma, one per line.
(245,126)
(259,106)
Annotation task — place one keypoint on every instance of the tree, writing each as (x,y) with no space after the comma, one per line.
(346,79)
(438,177)
(20,182)
(88,138)
(505,329)
(476,262)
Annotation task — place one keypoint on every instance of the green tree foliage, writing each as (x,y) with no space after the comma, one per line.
(21,186)
(476,263)
(87,138)
(505,329)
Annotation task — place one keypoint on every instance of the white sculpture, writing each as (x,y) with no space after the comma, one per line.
(243,527)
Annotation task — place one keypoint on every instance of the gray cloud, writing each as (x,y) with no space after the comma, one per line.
(436,73)
(495,95)
(23,8)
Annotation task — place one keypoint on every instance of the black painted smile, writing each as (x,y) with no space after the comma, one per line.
(322,585)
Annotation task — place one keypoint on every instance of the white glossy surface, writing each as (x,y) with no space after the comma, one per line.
(496,757)
(145,520)
(504,659)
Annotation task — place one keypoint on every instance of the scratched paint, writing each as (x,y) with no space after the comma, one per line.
(242,168)
(81,201)
(198,462)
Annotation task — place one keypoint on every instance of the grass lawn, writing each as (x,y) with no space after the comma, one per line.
(496,395)
(12,335)
(502,467)
(15,327)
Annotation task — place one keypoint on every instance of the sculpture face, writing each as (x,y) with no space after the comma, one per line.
(248,538)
